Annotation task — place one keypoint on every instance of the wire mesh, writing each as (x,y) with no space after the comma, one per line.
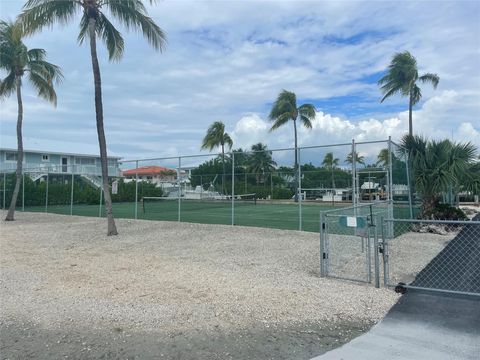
(434,254)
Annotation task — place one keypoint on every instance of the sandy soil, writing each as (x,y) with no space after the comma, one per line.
(171,290)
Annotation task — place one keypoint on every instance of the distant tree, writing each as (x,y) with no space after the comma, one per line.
(402,78)
(383,158)
(95,24)
(215,137)
(18,61)
(285,109)
(329,162)
(358,159)
(261,162)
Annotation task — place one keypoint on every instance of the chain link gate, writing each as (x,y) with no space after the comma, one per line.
(349,242)
(433,255)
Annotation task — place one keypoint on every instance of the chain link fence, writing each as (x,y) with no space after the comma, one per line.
(280,188)
(432,254)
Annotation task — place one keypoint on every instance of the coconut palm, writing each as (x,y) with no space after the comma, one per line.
(261,162)
(402,78)
(94,23)
(19,62)
(329,162)
(359,159)
(215,137)
(285,109)
(437,167)
(383,158)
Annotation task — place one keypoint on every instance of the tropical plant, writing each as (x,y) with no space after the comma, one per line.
(383,158)
(285,109)
(261,162)
(402,78)
(329,162)
(94,23)
(215,137)
(17,61)
(438,166)
(359,159)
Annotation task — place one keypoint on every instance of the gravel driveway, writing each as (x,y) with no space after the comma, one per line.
(171,290)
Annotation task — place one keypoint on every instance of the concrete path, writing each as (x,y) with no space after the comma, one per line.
(420,326)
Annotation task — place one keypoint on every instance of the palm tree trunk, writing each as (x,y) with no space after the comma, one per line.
(112,229)
(13,202)
(410,109)
(296,160)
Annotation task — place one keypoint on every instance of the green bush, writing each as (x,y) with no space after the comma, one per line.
(446,212)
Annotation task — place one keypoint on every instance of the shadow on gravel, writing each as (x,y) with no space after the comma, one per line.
(263,342)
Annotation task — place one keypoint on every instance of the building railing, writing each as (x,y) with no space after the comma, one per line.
(96,170)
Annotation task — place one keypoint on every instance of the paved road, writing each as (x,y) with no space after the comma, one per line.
(420,326)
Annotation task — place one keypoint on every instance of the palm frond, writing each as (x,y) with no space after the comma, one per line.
(43,86)
(8,85)
(280,120)
(36,54)
(40,13)
(133,15)
(111,37)
(434,79)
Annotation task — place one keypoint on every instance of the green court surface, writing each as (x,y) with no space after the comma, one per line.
(267,214)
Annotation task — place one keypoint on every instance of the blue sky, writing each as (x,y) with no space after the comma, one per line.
(228,60)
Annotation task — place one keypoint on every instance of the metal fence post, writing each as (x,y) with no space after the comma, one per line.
(390,165)
(376,250)
(386,269)
(407,166)
(299,191)
(322,245)
(4,189)
(101,199)
(71,192)
(178,187)
(354,175)
(23,191)
(46,192)
(136,190)
(233,188)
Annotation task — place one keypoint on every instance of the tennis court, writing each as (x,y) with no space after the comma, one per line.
(262,213)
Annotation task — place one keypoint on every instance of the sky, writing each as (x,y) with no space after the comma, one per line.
(228,60)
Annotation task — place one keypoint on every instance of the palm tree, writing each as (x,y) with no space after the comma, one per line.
(285,109)
(358,159)
(437,167)
(261,162)
(95,23)
(18,61)
(216,136)
(329,161)
(383,158)
(402,78)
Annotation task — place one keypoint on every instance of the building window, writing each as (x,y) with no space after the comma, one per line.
(111,162)
(11,156)
(84,161)
(45,157)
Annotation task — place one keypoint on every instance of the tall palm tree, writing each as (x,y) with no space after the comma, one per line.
(402,78)
(216,136)
(285,109)
(359,159)
(18,62)
(261,162)
(95,23)
(437,167)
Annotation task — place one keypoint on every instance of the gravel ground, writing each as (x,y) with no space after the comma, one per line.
(171,290)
